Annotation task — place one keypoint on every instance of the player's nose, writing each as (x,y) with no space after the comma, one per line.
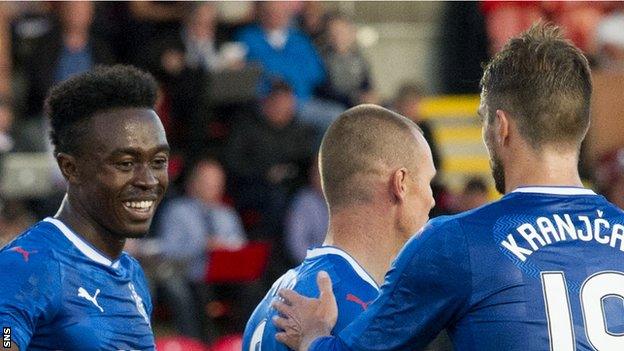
(145,177)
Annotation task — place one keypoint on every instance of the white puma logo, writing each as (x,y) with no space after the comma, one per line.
(83,293)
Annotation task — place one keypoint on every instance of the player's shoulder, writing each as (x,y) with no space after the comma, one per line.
(454,222)
(342,268)
(132,265)
(302,278)
(130,262)
(38,243)
(30,254)
(449,233)
(611,209)
(445,223)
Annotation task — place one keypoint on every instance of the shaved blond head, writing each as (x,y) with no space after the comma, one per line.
(361,148)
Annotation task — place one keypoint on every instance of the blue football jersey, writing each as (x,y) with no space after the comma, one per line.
(353,286)
(540,269)
(59,293)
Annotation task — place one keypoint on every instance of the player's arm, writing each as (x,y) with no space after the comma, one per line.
(30,292)
(426,290)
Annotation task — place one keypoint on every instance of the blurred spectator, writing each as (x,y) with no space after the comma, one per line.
(610,177)
(30,23)
(307,219)
(407,103)
(189,226)
(5,51)
(149,20)
(610,42)
(579,20)
(312,20)
(473,195)
(157,12)
(203,46)
(181,59)
(463,46)
(348,72)
(267,156)
(14,219)
(283,51)
(6,121)
(69,48)
(199,41)
(506,19)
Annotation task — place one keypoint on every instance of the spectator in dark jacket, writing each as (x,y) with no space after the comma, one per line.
(69,48)
(348,72)
(267,156)
(407,103)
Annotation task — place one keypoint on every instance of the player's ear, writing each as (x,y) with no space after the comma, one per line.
(502,127)
(67,165)
(398,184)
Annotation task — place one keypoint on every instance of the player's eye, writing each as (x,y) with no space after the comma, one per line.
(160,163)
(125,165)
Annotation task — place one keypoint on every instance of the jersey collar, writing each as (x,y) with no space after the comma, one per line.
(332,250)
(554,190)
(82,245)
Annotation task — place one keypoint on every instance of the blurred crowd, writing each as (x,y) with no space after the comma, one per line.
(245,102)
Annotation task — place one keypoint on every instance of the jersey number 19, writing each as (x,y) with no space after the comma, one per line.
(593,291)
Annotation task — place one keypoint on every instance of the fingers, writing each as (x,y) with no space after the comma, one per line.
(283,338)
(280,322)
(281,307)
(325,285)
(290,297)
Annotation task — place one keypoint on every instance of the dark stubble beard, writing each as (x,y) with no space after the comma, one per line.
(498,173)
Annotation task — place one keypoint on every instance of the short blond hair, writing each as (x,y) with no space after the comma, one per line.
(360,144)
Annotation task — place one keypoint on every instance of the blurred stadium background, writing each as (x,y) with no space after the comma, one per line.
(246,91)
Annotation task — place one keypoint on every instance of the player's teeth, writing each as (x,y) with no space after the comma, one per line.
(139,204)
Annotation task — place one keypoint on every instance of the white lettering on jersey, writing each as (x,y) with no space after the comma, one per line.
(546,231)
(139,303)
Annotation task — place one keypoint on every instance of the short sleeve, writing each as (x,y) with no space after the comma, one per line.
(30,291)
(427,288)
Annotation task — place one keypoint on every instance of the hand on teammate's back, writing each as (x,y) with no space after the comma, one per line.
(303,319)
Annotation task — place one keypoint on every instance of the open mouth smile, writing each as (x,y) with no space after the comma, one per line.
(139,206)
(139,210)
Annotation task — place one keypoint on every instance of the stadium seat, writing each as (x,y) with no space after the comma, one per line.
(228,343)
(239,266)
(180,343)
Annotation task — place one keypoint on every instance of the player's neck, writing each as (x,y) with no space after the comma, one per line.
(88,229)
(549,168)
(363,234)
